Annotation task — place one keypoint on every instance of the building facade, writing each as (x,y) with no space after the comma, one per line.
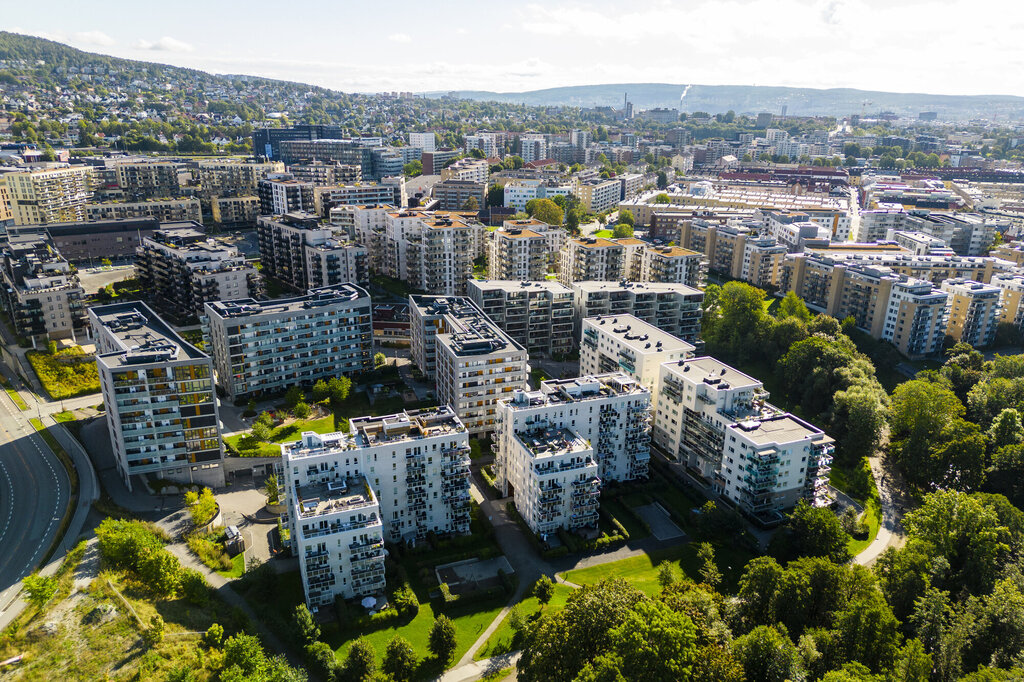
(41,293)
(672,308)
(54,195)
(538,315)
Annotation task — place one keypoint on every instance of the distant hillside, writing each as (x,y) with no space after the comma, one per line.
(750,99)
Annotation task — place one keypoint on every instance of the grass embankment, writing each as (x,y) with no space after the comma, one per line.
(502,640)
(860,485)
(65,374)
(72,472)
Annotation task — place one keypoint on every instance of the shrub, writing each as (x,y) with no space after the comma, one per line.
(202,506)
(66,373)
(194,587)
(214,635)
(301,410)
(211,553)
(404,600)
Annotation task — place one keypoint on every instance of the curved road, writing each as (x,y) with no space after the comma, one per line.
(34,495)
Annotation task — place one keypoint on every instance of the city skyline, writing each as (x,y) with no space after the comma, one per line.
(862,44)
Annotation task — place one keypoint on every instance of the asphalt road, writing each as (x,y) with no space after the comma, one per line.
(34,494)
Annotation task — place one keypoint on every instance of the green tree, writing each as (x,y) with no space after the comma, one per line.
(471,204)
(302,410)
(245,652)
(544,589)
(813,532)
(662,180)
(666,574)
(792,305)
(869,632)
(920,410)
(545,210)
(622,231)
(202,506)
(40,589)
(154,634)
(320,391)
(307,628)
(260,432)
(293,397)
(265,419)
(738,322)
(399,659)
(379,360)
(442,641)
(322,661)
(214,636)
(768,656)
(626,217)
(912,663)
(161,572)
(495,195)
(361,661)
(662,199)
(413,169)
(709,573)
(1006,429)
(340,388)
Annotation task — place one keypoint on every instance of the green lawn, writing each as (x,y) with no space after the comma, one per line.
(16,397)
(500,641)
(237,567)
(538,375)
(872,515)
(642,571)
(629,521)
(282,434)
(62,416)
(606,234)
(66,374)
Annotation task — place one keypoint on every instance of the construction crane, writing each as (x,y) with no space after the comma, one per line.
(864,107)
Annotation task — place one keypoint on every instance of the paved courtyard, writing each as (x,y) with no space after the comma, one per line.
(662,527)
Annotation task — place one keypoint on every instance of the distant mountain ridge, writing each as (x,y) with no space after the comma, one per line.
(751,99)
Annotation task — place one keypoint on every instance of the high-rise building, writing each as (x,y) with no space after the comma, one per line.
(181,269)
(300,251)
(538,315)
(140,180)
(267,141)
(281,193)
(52,195)
(265,347)
(672,308)
(424,141)
(164,210)
(399,477)
(518,254)
(41,293)
(472,362)
(717,421)
(431,251)
(454,194)
(672,264)
(624,343)
(160,402)
(974,311)
(533,147)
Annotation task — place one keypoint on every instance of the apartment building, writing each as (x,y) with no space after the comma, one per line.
(162,410)
(323,173)
(140,180)
(519,191)
(425,141)
(395,477)
(51,195)
(555,235)
(232,177)
(916,318)
(164,210)
(717,421)
(434,162)
(303,253)
(974,311)
(488,143)
(517,253)
(473,363)
(624,343)
(347,152)
(265,347)
(1012,287)
(672,264)
(735,249)
(181,269)
(538,315)
(432,252)
(235,211)
(592,258)
(455,194)
(40,293)
(467,169)
(533,147)
(86,241)
(598,196)
(935,269)
(611,411)
(281,193)
(387,192)
(672,308)
(875,224)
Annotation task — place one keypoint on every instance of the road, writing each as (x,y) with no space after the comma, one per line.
(34,494)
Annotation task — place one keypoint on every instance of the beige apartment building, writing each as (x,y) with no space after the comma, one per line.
(672,264)
(974,311)
(235,211)
(164,210)
(52,195)
(517,254)
(736,250)
(672,308)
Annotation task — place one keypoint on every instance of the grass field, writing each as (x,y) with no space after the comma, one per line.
(606,234)
(500,641)
(237,567)
(66,374)
(281,434)
(642,571)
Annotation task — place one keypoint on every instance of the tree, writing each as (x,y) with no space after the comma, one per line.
(413,168)
(320,391)
(321,660)
(869,632)
(214,636)
(202,506)
(379,360)
(161,571)
(193,587)
(471,204)
(912,663)
(662,199)
(1006,428)
(302,410)
(572,222)
(495,195)
(265,419)
(399,659)
(261,432)
(40,589)
(545,210)
(666,574)
(340,388)
(662,180)
(361,661)
(308,630)
(622,231)
(293,397)
(920,410)
(793,306)
(813,532)
(244,651)
(154,634)
(544,589)
(626,217)
(737,323)
(709,573)
(442,641)
(768,656)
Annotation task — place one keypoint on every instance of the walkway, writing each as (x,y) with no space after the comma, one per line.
(890,528)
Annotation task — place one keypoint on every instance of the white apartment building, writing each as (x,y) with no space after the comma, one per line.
(161,405)
(433,252)
(266,347)
(672,308)
(467,170)
(538,315)
(425,141)
(533,147)
(876,224)
(592,259)
(624,343)
(52,195)
(600,195)
(485,142)
(555,235)
(610,411)
(717,421)
(395,477)
(474,363)
(389,191)
(519,191)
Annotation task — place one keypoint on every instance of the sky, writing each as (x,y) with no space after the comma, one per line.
(958,47)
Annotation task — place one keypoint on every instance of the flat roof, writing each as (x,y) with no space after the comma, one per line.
(142,335)
(336,293)
(637,334)
(707,367)
(516,285)
(638,287)
(784,428)
(346,494)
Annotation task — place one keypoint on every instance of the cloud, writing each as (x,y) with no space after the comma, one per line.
(400,38)
(165,44)
(93,38)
